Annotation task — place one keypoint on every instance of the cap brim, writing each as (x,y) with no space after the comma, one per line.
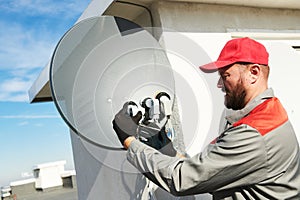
(214,66)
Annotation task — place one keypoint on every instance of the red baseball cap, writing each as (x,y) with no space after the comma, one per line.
(239,50)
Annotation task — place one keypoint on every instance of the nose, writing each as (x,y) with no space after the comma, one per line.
(220,83)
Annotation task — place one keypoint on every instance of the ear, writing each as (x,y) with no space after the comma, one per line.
(255,72)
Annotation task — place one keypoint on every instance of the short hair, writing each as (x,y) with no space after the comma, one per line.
(264,68)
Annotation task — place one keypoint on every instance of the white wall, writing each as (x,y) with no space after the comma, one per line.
(49,174)
(210,26)
(197,17)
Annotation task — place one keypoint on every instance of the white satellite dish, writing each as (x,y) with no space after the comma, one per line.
(97,66)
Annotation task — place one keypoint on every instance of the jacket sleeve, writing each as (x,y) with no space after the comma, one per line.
(237,158)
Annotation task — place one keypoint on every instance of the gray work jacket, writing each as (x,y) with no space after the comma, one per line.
(255,157)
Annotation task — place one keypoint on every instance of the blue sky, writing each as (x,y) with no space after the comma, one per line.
(30,134)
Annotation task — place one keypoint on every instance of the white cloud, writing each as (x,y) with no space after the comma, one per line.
(39,125)
(25,46)
(14,85)
(29,116)
(23,123)
(22,52)
(27,174)
(68,8)
(11,97)
(30,43)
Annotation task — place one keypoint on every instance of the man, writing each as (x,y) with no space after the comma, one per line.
(257,154)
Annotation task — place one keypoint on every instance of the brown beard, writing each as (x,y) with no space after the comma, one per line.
(235,99)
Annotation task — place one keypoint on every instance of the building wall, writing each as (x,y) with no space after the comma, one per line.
(49,177)
(197,17)
(69,181)
(21,190)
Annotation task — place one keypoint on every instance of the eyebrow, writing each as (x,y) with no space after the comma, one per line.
(222,70)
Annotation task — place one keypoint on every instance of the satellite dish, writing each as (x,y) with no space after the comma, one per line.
(98,65)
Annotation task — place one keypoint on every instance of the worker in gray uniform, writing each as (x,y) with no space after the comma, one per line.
(257,154)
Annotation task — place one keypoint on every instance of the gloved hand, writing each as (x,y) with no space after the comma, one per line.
(155,137)
(150,134)
(124,124)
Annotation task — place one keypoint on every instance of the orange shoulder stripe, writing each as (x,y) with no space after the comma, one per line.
(266,116)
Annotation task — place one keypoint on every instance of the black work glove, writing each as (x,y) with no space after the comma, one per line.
(155,137)
(124,124)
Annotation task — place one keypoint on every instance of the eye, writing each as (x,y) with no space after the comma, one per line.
(225,76)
